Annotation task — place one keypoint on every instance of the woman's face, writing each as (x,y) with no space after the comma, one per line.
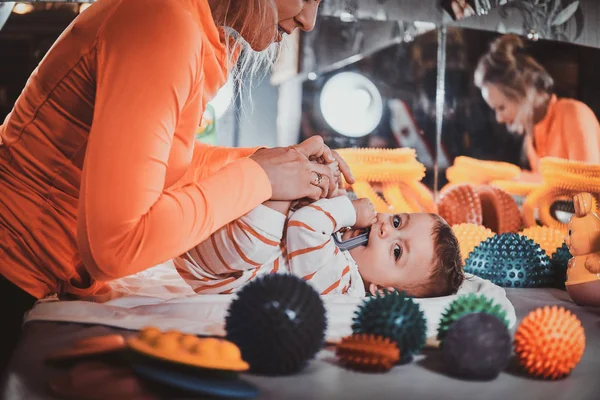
(510,112)
(290,14)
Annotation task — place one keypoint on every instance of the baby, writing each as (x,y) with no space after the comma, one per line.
(417,253)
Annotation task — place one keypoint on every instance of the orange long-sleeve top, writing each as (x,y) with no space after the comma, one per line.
(569,130)
(100,175)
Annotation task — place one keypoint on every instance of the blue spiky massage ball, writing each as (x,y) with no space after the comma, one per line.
(560,261)
(396,316)
(468,304)
(278,322)
(511,260)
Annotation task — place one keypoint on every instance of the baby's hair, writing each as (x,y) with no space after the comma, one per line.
(447,274)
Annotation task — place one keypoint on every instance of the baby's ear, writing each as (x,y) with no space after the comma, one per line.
(374,289)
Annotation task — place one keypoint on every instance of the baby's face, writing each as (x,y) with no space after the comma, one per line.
(399,253)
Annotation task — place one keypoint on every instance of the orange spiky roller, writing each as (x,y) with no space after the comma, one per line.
(395,198)
(549,239)
(364,189)
(368,352)
(551,165)
(500,211)
(388,172)
(377,156)
(424,196)
(460,204)
(470,236)
(474,171)
(549,342)
(516,188)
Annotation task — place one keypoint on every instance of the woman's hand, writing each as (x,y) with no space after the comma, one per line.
(291,173)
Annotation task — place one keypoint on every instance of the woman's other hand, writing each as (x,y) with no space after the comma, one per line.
(291,173)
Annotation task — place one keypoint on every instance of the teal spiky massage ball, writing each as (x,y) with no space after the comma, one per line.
(560,261)
(511,260)
(468,304)
(396,316)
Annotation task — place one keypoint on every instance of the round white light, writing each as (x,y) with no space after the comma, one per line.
(223,99)
(351,104)
(23,8)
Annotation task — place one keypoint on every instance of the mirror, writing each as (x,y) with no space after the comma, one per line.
(383,98)
(470,127)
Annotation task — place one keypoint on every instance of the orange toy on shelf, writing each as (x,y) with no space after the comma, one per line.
(368,352)
(364,189)
(470,236)
(583,240)
(377,156)
(549,342)
(549,239)
(173,346)
(460,204)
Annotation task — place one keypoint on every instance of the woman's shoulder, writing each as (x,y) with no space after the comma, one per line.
(572,107)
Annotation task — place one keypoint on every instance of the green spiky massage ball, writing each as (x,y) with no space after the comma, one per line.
(560,261)
(511,260)
(468,304)
(396,316)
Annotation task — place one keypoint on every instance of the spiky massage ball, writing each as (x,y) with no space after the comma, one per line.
(396,316)
(499,209)
(548,238)
(511,260)
(278,322)
(469,304)
(477,346)
(470,236)
(460,204)
(367,352)
(560,262)
(549,342)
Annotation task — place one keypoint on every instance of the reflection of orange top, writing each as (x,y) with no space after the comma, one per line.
(100,176)
(569,130)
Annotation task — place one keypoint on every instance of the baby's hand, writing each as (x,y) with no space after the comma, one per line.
(365,213)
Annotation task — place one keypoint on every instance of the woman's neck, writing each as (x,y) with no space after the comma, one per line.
(540,112)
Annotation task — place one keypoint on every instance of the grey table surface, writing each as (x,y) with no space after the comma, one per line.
(424,378)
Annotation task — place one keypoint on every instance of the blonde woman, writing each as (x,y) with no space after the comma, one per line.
(100,175)
(521,93)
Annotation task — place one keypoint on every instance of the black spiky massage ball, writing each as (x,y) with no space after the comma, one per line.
(560,261)
(477,347)
(468,304)
(278,322)
(396,316)
(511,260)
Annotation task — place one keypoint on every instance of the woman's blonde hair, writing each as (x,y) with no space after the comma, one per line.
(251,18)
(515,72)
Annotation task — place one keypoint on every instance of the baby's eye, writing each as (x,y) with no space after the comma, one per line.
(569,232)
(397,251)
(396,221)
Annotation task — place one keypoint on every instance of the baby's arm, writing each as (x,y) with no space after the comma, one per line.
(246,243)
(592,263)
(312,254)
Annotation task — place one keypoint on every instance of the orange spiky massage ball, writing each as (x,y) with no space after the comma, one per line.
(549,342)
(368,352)
(470,236)
(500,211)
(549,239)
(460,204)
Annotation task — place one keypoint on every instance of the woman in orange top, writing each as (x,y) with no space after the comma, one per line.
(520,91)
(100,175)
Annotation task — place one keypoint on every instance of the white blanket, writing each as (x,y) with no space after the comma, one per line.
(158,297)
